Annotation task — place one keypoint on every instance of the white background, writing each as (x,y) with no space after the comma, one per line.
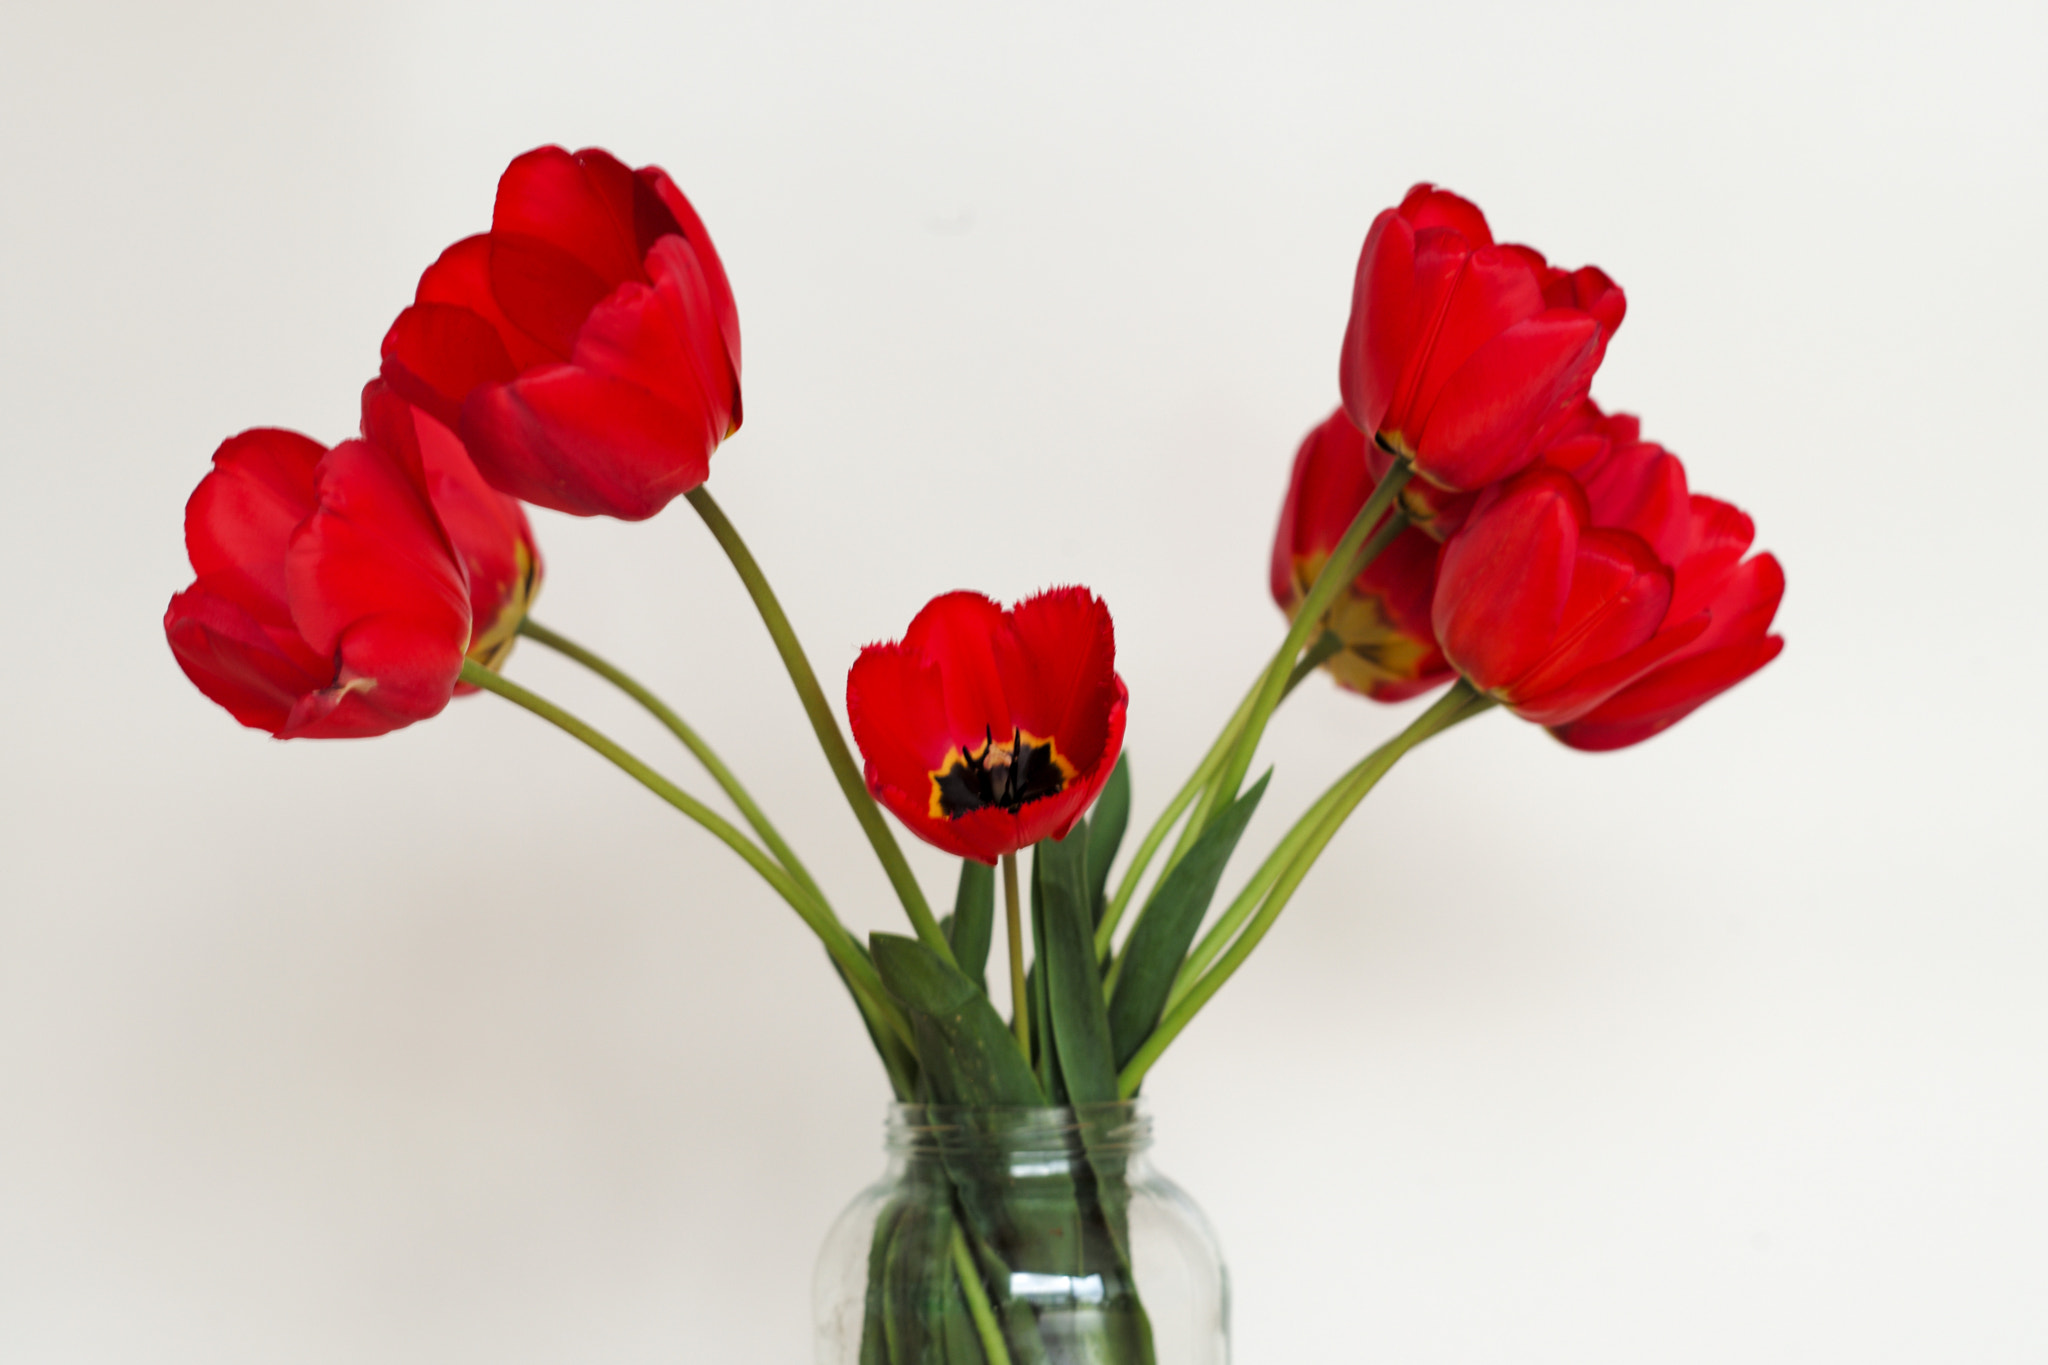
(456,1046)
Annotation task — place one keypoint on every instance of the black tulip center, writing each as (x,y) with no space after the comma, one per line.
(1005,775)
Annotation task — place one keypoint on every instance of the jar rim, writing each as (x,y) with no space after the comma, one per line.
(1111,1126)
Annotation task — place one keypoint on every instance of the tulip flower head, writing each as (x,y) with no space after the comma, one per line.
(1462,356)
(1595,594)
(1389,651)
(586,348)
(986,730)
(328,601)
(339,592)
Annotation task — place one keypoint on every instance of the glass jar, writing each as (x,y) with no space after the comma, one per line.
(1021,1237)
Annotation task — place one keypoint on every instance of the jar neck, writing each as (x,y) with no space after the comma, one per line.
(922,1132)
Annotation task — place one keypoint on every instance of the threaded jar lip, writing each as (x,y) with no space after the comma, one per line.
(1122,1126)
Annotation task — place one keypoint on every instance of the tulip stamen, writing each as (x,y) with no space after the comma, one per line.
(1007,774)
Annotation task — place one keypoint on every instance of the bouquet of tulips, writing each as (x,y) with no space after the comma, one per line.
(1467,518)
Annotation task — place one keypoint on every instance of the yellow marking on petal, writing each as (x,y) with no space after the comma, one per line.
(492,645)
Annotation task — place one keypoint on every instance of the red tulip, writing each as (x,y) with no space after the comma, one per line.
(586,347)
(988,730)
(1596,591)
(1462,356)
(1382,617)
(489,530)
(337,590)
(328,603)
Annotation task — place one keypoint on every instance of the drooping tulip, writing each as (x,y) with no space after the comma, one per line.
(586,348)
(986,730)
(1462,356)
(328,601)
(1388,649)
(1595,594)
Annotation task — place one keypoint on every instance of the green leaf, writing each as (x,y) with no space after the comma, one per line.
(896,1058)
(967,1053)
(1167,926)
(1106,831)
(1080,1023)
(973,920)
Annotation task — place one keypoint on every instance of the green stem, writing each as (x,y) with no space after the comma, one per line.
(860,973)
(1018,1004)
(1345,563)
(1322,822)
(1198,784)
(1127,886)
(985,1325)
(824,724)
(661,711)
(1327,644)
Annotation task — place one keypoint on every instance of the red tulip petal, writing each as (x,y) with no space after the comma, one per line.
(488,531)
(1381,333)
(1620,593)
(1587,690)
(582,205)
(1641,488)
(653,180)
(241,517)
(410,683)
(1058,662)
(1489,413)
(664,338)
(1053,816)
(1426,206)
(1502,581)
(231,657)
(1589,290)
(1492,291)
(585,444)
(956,633)
(461,278)
(1667,696)
(370,575)
(1720,536)
(436,355)
(896,704)
(1746,604)
(544,291)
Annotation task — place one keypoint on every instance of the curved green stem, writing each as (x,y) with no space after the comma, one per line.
(978,1307)
(1326,646)
(1320,825)
(1198,784)
(661,711)
(860,973)
(824,724)
(1015,917)
(1345,563)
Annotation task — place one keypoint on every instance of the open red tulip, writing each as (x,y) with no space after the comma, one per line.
(986,730)
(1463,356)
(1382,617)
(586,348)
